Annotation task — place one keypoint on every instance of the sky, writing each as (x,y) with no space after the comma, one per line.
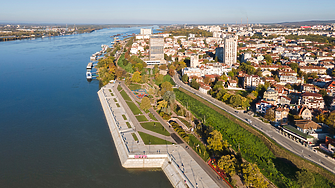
(164,12)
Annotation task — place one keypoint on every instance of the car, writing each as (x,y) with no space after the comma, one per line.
(236,112)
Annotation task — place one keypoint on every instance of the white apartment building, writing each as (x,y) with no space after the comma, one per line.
(230,50)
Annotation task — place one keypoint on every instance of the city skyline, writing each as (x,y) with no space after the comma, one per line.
(151,12)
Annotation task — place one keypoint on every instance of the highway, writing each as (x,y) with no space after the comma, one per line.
(266,128)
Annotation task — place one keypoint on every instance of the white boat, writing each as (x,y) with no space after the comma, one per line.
(88,75)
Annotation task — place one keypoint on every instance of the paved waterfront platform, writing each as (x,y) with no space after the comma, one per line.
(180,168)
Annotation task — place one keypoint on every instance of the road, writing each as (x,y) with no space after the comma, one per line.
(267,129)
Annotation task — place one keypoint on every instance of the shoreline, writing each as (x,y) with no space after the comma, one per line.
(175,162)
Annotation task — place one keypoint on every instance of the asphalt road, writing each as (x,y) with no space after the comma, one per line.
(267,129)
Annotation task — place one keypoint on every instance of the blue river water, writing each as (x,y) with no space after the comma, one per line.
(53,132)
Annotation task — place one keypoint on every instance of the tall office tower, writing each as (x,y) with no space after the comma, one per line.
(230,50)
(146,32)
(156,47)
(194,60)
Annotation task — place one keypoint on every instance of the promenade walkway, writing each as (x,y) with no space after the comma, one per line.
(180,167)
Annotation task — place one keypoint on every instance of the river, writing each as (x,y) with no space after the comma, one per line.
(53,132)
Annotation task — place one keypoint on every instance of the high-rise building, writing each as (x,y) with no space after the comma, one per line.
(156,47)
(194,60)
(230,50)
(146,31)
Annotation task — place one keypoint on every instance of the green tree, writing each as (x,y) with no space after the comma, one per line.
(305,178)
(145,103)
(294,66)
(215,141)
(136,77)
(228,164)
(170,97)
(166,86)
(195,84)
(252,176)
(270,114)
(184,78)
(162,104)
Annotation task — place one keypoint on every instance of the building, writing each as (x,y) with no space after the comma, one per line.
(156,47)
(230,50)
(251,81)
(281,114)
(204,88)
(283,100)
(307,126)
(270,96)
(146,31)
(312,100)
(194,61)
(262,107)
(312,69)
(305,113)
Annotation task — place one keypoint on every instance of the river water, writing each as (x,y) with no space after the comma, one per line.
(53,132)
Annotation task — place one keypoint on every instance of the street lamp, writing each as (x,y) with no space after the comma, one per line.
(149,146)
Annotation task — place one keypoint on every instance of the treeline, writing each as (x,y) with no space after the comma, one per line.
(314,38)
(186,32)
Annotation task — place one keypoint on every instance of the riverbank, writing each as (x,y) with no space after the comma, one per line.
(180,168)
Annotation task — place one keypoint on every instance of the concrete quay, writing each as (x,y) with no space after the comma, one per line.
(179,167)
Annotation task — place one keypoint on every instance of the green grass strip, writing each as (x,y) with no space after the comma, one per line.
(155,127)
(152,139)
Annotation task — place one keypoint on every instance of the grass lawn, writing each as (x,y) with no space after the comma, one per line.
(152,117)
(185,122)
(125,96)
(154,140)
(134,136)
(117,104)
(141,118)
(155,127)
(134,86)
(124,117)
(134,108)
(119,88)
(128,125)
(115,100)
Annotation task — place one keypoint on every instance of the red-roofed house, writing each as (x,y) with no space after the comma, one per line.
(312,100)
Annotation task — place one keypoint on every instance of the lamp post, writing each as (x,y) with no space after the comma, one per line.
(149,146)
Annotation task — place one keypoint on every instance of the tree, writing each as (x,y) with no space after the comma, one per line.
(166,86)
(195,84)
(252,176)
(228,164)
(162,67)
(270,114)
(171,72)
(182,65)
(136,77)
(305,178)
(159,78)
(145,103)
(294,66)
(215,141)
(162,104)
(119,73)
(207,80)
(170,97)
(184,78)
(323,93)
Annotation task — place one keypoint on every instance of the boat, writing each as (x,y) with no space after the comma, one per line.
(88,75)
(89,65)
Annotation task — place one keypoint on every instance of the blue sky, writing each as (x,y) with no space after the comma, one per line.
(173,11)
